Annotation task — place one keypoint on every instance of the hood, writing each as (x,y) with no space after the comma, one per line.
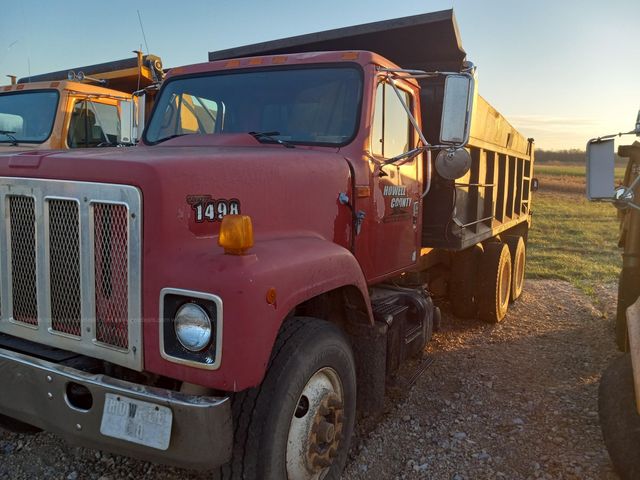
(9,149)
(187,189)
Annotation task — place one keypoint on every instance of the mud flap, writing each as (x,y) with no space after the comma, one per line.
(369,345)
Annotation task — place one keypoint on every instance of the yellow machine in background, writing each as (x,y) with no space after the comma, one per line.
(94,106)
(619,393)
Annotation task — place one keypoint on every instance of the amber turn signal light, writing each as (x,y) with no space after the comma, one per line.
(236,234)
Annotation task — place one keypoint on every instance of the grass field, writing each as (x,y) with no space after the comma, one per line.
(568,171)
(572,239)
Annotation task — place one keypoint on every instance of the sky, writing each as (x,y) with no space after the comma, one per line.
(560,71)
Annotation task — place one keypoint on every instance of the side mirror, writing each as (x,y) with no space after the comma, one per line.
(126,122)
(457,105)
(600,170)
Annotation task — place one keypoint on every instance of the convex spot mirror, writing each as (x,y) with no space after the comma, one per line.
(452,163)
(456,109)
(600,170)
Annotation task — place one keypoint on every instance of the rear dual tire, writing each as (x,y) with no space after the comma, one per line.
(485,278)
(517,248)
(494,282)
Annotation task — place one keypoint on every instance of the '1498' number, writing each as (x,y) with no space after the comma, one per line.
(214,210)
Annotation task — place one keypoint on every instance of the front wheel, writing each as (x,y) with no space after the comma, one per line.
(298,423)
(619,418)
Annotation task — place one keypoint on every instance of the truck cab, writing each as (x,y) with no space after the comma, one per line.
(75,109)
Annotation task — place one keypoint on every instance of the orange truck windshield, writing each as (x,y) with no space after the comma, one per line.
(27,116)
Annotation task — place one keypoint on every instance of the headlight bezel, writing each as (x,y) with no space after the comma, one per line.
(171,348)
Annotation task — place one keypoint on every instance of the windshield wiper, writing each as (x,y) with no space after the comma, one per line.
(270,137)
(175,135)
(14,140)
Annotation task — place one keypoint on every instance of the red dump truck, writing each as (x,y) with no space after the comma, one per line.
(619,393)
(231,292)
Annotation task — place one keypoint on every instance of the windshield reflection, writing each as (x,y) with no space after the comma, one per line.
(316,106)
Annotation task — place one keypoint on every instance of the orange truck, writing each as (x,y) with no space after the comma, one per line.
(94,106)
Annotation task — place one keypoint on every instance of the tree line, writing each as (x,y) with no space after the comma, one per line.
(574,155)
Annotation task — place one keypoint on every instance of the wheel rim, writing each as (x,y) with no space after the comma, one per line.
(316,426)
(505,285)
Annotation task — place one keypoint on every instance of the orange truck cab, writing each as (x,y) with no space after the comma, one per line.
(95,106)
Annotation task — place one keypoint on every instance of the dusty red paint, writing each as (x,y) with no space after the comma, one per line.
(303,235)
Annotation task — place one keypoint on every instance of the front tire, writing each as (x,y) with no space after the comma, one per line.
(298,423)
(619,419)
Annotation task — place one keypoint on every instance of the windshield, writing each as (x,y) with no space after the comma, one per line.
(315,106)
(28,114)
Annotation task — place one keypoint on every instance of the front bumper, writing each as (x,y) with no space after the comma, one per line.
(34,391)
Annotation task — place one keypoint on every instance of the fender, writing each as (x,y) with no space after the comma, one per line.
(298,268)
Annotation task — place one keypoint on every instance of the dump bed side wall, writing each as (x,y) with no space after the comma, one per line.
(494,196)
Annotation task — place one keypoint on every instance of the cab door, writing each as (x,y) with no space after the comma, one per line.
(391,241)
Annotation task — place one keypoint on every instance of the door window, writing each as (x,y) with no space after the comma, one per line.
(93,124)
(391,130)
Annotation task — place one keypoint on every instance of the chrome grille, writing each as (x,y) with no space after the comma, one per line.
(70,266)
(23,258)
(64,266)
(111,267)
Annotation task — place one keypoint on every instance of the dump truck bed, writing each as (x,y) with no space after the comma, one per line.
(434,39)
(495,194)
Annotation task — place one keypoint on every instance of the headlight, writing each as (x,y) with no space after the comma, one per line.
(193,327)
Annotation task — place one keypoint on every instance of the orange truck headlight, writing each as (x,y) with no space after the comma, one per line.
(236,234)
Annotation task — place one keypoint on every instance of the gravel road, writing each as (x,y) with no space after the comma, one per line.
(516,400)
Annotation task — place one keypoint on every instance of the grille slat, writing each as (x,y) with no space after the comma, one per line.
(23,258)
(64,266)
(111,267)
(70,270)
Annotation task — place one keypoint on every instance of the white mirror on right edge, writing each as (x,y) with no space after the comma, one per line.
(456,109)
(600,170)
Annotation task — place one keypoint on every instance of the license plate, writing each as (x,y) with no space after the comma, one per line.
(136,421)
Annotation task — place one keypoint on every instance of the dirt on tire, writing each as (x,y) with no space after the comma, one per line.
(514,400)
